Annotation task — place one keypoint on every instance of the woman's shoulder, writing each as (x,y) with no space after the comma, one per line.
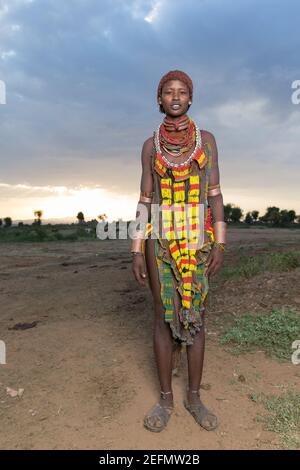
(149,142)
(148,146)
(148,151)
(207,137)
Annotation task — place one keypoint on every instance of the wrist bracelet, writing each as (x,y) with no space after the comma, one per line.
(221,245)
(220,231)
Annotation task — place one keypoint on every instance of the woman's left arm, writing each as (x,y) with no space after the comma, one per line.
(215,201)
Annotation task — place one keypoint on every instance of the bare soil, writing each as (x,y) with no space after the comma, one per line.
(87,365)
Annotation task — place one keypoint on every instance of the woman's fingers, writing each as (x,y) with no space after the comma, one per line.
(214,267)
(143,276)
(139,272)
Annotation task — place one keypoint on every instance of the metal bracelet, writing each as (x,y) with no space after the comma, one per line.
(221,245)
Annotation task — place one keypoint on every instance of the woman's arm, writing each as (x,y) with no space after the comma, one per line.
(215,197)
(215,201)
(143,213)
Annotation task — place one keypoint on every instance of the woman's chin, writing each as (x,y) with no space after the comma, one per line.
(175,113)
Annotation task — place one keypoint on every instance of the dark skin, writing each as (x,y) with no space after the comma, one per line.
(175,91)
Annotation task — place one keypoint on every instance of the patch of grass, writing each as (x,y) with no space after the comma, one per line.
(273,333)
(249,266)
(45,234)
(283,417)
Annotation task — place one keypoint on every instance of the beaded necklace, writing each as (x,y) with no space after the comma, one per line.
(180,171)
(177,145)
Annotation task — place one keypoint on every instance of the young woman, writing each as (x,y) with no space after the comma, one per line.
(180,175)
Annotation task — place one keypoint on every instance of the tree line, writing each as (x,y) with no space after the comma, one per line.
(274,217)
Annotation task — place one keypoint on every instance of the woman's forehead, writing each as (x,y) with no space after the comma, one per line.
(175,84)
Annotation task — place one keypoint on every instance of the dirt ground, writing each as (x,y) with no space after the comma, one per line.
(87,368)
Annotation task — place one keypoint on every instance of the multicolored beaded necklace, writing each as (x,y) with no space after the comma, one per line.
(181,170)
(176,146)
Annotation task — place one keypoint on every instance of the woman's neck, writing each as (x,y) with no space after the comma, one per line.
(176,123)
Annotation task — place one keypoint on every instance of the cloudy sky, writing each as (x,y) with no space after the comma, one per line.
(81,79)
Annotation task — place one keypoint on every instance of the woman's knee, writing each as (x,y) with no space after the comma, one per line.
(159,316)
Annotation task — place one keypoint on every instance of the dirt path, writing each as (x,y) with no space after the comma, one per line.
(87,367)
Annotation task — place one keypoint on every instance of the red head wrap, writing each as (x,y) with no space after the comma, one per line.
(175,75)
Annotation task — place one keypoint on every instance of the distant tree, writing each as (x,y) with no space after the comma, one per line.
(80,217)
(1,222)
(20,224)
(38,215)
(272,216)
(292,216)
(249,218)
(227,212)
(254,215)
(7,222)
(284,218)
(236,214)
(279,218)
(287,217)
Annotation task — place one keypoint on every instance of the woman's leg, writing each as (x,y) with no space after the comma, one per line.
(195,357)
(162,335)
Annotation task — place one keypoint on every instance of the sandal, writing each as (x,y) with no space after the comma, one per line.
(202,415)
(157,418)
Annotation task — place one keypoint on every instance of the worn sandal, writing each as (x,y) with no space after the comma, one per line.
(157,418)
(201,414)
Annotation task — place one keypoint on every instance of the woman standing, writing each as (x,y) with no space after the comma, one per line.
(180,175)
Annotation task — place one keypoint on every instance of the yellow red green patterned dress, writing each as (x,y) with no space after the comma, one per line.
(176,270)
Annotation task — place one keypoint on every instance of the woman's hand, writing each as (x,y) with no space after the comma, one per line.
(215,260)
(139,269)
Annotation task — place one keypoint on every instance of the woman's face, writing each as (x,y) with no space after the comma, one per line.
(175,98)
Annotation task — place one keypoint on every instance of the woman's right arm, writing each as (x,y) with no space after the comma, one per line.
(146,192)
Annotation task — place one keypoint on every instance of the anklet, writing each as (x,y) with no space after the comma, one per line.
(163,394)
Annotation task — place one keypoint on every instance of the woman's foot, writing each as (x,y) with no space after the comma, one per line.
(201,414)
(157,418)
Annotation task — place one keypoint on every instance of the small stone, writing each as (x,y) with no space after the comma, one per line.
(241,378)
(11,392)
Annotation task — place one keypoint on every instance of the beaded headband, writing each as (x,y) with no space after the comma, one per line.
(176,75)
